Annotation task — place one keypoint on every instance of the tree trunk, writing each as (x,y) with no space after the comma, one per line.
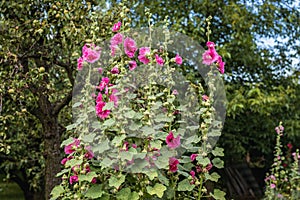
(52,154)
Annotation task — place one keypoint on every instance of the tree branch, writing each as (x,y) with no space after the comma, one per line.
(61,104)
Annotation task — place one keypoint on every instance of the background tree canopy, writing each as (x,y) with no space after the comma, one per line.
(41,40)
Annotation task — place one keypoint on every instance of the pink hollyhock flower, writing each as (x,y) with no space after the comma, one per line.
(175,92)
(173,142)
(134,146)
(100,112)
(198,169)
(178,59)
(115,70)
(113,49)
(73,179)
(209,57)
(129,47)
(80,63)
(63,161)
(272,186)
(221,65)
(99,98)
(192,173)
(143,53)
(281,128)
(132,65)
(205,97)
(159,60)
(89,154)
(104,82)
(209,166)
(193,157)
(116,27)
(210,45)
(173,162)
(72,147)
(94,180)
(116,39)
(91,54)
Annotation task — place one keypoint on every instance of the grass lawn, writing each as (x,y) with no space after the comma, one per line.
(10,190)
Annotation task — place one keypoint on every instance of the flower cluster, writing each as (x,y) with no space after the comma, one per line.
(90,53)
(284,179)
(74,149)
(211,56)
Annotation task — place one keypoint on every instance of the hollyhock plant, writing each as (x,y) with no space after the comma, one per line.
(209,57)
(159,60)
(172,142)
(104,83)
(178,59)
(129,47)
(91,54)
(116,26)
(115,70)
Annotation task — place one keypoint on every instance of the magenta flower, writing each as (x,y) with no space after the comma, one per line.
(73,179)
(116,27)
(63,161)
(221,65)
(159,60)
(173,142)
(129,47)
(178,59)
(115,70)
(205,97)
(132,65)
(91,54)
(116,39)
(72,147)
(272,186)
(94,180)
(100,70)
(193,157)
(173,162)
(209,57)
(209,166)
(99,98)
(175,92)
(100,112)
(210,45)
(80,63)
(104,82)
(192,173)
(143,53)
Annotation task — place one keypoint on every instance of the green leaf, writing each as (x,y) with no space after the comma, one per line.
(94,192)
(73,162)
(218,163)
(89,138)
(76,104)
(117,141)
(185,185)
(62,172)
(151,174)
(163,179)
(218,151)
(135,126)
(124,194)
(106,162)
(126,155)
(203,161)
(213,177)
(102,146)
(56,192)
(110,122)
(71,126)
(158,189)
(130,114)
(67,142)
(218,194)
(108,106)
(87,177)
(116,182)
(162,118)
(156,144)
